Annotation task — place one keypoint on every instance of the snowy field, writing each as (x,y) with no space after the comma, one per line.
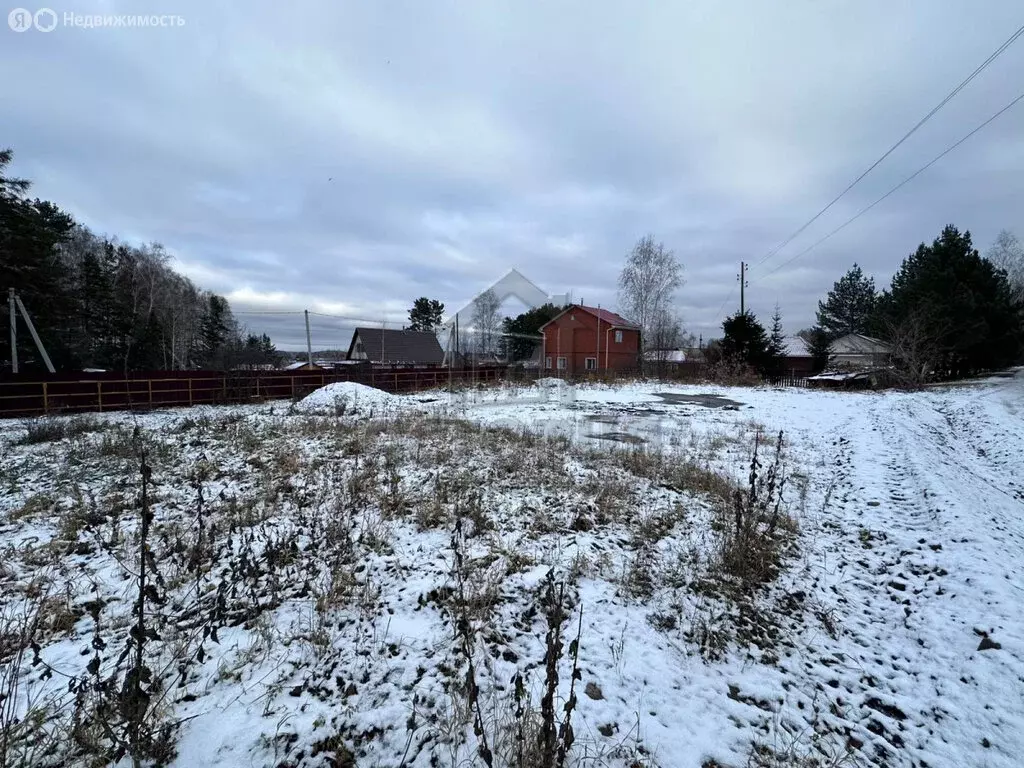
(323,573)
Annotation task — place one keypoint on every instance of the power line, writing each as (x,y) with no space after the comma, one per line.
(266,312)
(718,316)
(907,135)
(909,178)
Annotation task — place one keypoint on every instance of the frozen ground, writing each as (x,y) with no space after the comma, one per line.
(893,636)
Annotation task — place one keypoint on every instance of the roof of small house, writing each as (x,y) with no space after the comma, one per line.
(603,315)
(859,344)
(395,346)
(298,364)
(795,346)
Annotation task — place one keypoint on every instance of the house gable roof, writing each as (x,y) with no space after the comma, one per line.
(603,315)
(795,346)
(859,344)
(395,346)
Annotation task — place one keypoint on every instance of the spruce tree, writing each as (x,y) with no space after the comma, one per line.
(775,357)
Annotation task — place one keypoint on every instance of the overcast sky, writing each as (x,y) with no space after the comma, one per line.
(347,157)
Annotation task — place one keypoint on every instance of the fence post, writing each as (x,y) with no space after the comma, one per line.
(396,381)
(150,383)
(257,387)
(46,401)
(190,392)
(293,386)
(99,394)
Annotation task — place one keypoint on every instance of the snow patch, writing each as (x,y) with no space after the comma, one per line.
(349,397)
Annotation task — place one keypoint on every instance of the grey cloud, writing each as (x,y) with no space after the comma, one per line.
(357,155)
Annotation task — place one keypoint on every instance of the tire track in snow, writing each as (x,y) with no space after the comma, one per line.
(920,576)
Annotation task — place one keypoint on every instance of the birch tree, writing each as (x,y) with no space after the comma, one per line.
(647,286)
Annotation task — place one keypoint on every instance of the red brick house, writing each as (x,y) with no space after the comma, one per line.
(584,339)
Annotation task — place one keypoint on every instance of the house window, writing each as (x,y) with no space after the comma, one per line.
(561,364)
(618,337)
(591,363)
(547,361)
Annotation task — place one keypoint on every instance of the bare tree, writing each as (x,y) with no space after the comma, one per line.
(665,336)
(1007,253)
(915,349)
(486,320)
(647,286)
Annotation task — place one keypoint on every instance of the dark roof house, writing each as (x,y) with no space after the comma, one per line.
(385,345)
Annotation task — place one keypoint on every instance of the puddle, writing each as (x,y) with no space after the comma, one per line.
(705,400)
(619,437)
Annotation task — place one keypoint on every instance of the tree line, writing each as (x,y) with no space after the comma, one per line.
(948,312)
(98,302)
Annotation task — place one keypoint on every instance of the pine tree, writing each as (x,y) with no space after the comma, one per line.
(745,341)
(528,323)
(849,305)
(957,301)
(425,315)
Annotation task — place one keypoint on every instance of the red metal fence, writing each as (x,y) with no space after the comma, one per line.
(40,394)
(34,394)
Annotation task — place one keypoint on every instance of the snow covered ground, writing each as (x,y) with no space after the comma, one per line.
(893,635)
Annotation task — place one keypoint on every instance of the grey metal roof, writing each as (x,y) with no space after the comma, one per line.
(394,346)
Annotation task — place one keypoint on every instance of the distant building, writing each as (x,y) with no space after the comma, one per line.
(394,347)
(854,350)
(796,356)
(581,339)
(667,356)
(303,365)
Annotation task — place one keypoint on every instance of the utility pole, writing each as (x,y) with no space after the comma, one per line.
(35,336)
(14,332)
(743,286)
(309,341)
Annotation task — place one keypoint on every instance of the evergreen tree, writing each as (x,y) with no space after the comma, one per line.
(775,354)
(959,302)
(214,331)
(30,231)
(745,341)
(259,352)
(425,315)
(527,323)
(819,343)
(849,305)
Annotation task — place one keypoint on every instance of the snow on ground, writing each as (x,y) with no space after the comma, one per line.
(349,397)
(894,635)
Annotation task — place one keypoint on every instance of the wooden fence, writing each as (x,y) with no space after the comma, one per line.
(35,395)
